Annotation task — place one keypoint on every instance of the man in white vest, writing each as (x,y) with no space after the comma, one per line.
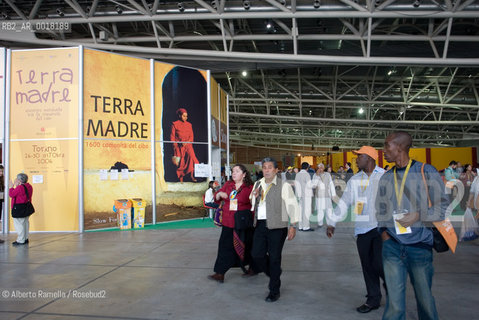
(276,216)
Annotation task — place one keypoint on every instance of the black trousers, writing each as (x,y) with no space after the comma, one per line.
(267,247)
(369,248)
(227,257)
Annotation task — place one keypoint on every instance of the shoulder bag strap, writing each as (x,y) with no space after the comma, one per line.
(26,191)
(425,185)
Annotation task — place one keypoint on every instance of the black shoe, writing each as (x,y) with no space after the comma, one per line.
(2,241)
(272,297)
(365,308)
(18,243)
(249,273)
(26,241)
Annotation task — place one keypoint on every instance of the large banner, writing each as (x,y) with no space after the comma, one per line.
(215,113)
(223,118)
(2,99)
(117,133)
(181,141)
(44,133)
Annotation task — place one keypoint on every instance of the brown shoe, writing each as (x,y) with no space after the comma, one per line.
(217,277)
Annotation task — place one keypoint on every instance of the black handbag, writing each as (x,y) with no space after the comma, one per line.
(439,243)
(22,210)
(243,220)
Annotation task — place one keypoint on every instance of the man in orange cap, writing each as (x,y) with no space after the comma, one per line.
(360,193)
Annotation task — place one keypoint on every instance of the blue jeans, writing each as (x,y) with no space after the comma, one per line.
(399,261)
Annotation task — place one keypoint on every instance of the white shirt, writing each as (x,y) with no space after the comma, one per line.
(209,196)
(287,194)
(359,188)
(304,180)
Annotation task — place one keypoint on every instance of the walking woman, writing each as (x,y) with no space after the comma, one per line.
(21,192)
(232,251)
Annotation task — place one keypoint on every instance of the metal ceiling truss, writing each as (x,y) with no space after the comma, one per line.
(439,107)
(408,64)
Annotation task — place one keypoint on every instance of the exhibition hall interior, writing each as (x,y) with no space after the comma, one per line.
(127,123)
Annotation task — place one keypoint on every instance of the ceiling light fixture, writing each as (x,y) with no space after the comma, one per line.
(181,7)
(361,111)
(119,10)
(246,4)
(416,3)
(316,4)
(60,12)
(244,73)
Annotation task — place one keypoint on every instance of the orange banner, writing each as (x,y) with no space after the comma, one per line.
(117,131)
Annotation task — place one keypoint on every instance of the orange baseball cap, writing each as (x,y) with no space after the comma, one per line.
(370,151)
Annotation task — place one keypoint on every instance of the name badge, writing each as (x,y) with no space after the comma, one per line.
(234,205)
(399,228)
(359,207)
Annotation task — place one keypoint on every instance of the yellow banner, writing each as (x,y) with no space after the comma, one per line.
(117,131)
(44,133)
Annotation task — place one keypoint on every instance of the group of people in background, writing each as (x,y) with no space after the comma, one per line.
(391,209)
(460,177)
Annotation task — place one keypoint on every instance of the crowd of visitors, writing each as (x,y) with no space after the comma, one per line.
(391,225)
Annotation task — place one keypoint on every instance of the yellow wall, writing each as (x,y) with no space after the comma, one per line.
(337,161)
(440,157)
(215,108)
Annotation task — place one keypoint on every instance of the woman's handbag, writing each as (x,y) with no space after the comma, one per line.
(218,218)
(444,236)
(243,220)
(22,210)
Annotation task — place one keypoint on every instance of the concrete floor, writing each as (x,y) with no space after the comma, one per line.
(161,274)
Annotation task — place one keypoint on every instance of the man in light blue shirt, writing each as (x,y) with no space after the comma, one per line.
(360,194)
(450,172)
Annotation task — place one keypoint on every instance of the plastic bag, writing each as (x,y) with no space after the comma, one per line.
(470,228)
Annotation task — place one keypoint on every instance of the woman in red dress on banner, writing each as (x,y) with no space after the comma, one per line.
(235,194)
(183,153)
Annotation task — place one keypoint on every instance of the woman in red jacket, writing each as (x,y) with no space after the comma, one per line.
(184,155)
(235,194)
(21,192)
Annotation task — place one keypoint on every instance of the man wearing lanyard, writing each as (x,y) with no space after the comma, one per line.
(403,216)
(274,204)
(360,193)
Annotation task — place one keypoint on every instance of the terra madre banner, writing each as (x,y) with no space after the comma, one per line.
(117,133)
(44,133)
